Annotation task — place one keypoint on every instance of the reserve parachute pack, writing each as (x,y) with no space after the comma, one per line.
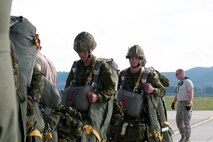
(131,102)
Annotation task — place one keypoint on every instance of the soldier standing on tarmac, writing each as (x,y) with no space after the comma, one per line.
(83,74)
(184,97)
(138,91)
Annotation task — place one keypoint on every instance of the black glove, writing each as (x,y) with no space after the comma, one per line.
(188,107)
(173,105)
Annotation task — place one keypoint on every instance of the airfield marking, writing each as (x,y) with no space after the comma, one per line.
(197,124)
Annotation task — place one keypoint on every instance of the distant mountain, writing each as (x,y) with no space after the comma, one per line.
(202,78)
(61,79)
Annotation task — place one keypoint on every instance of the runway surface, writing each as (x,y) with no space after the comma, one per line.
(202,126)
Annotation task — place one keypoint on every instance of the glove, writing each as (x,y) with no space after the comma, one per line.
(188,107)
(173,105)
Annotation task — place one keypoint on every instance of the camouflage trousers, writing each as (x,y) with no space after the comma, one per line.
(128,132)
(183,118)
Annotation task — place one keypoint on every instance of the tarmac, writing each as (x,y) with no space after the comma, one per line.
(201,123)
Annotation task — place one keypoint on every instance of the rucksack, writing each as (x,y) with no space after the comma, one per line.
(113,66)
(22,33)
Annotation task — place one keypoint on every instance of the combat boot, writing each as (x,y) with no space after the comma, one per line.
(182,139)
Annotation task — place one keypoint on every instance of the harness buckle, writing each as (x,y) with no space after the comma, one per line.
(88,83)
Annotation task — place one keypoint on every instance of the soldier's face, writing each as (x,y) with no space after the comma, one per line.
(134,61)
(83,55)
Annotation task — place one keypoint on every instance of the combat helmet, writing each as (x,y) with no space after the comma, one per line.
(84,41)
(136,50)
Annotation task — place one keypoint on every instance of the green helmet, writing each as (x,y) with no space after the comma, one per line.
(84,41)
(136,50)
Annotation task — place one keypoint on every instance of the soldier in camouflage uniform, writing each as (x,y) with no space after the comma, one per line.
(84,44)
(138,114)
(184,97)
(28,80)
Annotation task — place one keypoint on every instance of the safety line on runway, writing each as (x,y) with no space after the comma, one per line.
(197,124)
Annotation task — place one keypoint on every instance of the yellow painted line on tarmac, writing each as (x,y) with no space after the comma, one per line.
(197,124)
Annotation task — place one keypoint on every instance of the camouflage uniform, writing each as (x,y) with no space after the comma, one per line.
(104,88)
(49,93)
(144,127)
(137,127)
(34,120)
(184,108)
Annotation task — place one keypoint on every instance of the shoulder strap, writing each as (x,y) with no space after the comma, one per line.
(145,74)
(123,77)
(74,70)
(96,73)
(138,81)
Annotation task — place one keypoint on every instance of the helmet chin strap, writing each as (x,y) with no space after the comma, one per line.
(89,56)
(139,64)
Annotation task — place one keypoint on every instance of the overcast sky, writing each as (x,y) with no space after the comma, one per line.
(173,33)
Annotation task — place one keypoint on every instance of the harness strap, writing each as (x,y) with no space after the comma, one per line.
(74,70)
(164,123)
(89,78)
(96,72)
(48,136)
(138,81)
(36,133)
(89,129)
(157,135)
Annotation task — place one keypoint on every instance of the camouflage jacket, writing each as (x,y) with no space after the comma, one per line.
(36,85)
(131,79)
(106,84)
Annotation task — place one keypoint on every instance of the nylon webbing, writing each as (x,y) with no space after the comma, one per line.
(89,78)
(89,129)
(96,73)
(35,133)
(138,81)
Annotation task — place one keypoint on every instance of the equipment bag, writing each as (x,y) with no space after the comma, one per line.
(113,66)
(50,95)
(50,99)
(22,33)
(76,97)
(131,102)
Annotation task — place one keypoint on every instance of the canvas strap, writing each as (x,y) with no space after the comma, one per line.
(138,81)
(89,129)
(35,133)
(89,78)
